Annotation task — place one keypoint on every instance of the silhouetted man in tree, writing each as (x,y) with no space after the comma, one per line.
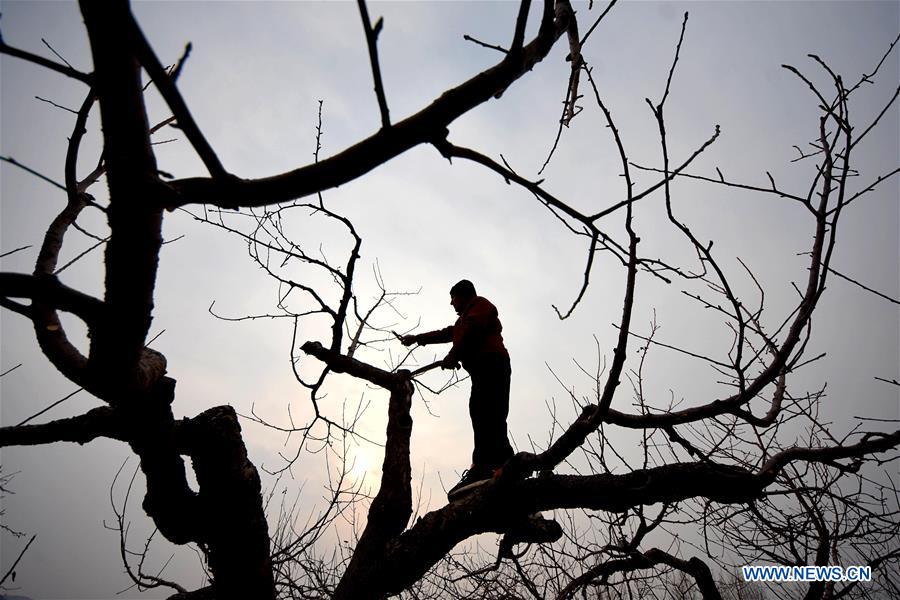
(477,343)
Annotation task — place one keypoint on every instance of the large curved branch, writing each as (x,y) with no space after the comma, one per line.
(499,506)
(48,296)
(51,336)
(426,126)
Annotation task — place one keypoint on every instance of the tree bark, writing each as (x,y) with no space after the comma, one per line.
(232,522)
(390,509)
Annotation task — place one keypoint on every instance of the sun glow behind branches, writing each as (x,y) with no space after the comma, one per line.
(365,465)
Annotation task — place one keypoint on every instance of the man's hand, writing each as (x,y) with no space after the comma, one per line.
(409,340)
(448,362)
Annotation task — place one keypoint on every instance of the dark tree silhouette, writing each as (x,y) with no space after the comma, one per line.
(721,461)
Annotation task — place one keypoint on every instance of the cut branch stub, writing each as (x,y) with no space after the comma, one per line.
(340,363)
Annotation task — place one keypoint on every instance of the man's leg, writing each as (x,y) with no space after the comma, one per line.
(478,400)
(500,448)
(488,408)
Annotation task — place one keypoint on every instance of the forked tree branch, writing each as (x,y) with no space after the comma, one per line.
(166,85)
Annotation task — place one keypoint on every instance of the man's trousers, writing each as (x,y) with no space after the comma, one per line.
(488,408)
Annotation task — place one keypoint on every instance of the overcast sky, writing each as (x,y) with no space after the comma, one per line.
(253,81)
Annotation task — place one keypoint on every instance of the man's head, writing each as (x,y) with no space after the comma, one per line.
(460,295)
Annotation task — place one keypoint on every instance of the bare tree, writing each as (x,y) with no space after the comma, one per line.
(226,514)
(730,463)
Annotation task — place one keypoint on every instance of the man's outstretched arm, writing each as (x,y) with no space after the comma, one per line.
(439,336)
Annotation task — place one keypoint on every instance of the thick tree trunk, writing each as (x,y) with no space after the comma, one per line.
(232,521)
(391,507)
(226,516)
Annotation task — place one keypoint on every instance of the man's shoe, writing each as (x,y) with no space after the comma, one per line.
(472,478)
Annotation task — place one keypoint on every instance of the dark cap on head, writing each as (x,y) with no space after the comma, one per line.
(463,289)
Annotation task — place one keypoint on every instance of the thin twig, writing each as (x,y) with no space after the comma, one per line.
(57,54)
(16,163)
(674,62)
(55,404)
(80,256)
(8,371)
(597,22)
(21,554)
(59,106)
(5,254)
(469,38)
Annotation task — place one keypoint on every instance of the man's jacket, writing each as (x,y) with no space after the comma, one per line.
(475,334)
